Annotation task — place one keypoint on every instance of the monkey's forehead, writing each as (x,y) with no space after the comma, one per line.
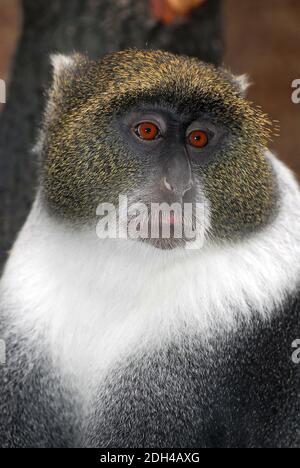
(126,78)
(136,72)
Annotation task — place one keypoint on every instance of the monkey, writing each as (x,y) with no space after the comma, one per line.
(165,342)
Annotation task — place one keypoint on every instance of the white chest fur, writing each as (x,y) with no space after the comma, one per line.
(92,301)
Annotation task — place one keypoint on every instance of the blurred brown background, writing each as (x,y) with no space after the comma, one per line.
(262,38)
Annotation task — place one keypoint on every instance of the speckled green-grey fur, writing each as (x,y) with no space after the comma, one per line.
(87,163)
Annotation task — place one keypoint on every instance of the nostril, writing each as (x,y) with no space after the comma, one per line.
(181,189)
(188,187)
(168,186)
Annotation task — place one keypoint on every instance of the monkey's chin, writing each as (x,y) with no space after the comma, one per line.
(165,244)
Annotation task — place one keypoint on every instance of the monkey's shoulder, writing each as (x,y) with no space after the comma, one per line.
(240,390)
(36,408)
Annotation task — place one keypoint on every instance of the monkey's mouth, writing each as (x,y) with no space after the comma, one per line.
(166,231)
(165,244)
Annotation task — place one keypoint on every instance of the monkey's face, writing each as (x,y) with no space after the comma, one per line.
(171,134)
(170,147)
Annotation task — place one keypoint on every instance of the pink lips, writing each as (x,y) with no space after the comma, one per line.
(172,219)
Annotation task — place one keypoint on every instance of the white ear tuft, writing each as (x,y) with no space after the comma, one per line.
(61,63)
(243,82)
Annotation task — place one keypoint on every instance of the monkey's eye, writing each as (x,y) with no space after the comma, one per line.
(147,131)
(198,138)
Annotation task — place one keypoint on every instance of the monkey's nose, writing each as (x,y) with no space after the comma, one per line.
(179,188)
(177,176)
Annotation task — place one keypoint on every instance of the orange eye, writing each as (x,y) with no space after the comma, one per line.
(147,131)
(198,138)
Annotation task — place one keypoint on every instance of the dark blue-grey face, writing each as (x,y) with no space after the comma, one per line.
(171,146)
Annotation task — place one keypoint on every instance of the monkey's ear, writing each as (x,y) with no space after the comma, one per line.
(64,67)
(240,82)
(67,71)
(243,83)
(61,63)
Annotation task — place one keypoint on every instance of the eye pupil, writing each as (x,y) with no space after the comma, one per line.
(147,131)
(198,138)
